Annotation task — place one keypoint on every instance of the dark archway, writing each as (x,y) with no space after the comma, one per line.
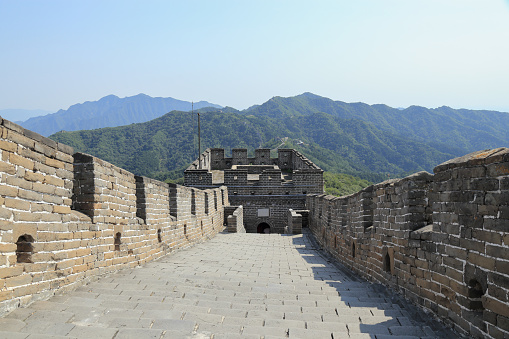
(263,227)
(24,249)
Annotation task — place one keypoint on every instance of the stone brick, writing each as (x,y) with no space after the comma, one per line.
(8,191)
(483,235)
(7,168)
(30,195)
(501,252)
(5,213)
(496,306)
(43,188)
(18,182)
(61,209)
(54,163)
(20,161)
(23,279)
(31,176)
(13,271)
(17,204)
(481,261)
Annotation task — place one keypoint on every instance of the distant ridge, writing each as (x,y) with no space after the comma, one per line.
(110,111)
(372,142)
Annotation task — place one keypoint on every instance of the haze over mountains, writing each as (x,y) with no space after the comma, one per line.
(19,115)
(368,141)
(109,111)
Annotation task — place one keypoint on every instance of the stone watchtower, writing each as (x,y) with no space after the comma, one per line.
(271,190)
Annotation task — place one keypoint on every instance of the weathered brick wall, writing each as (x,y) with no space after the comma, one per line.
(117,221)
(294,222)
(235,221)
(104,192)
(442,240)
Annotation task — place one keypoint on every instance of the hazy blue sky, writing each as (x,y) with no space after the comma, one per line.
(239,53)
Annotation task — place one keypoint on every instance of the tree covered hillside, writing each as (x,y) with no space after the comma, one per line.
(369,142)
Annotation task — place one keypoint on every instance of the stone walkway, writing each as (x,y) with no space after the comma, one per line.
(235,285)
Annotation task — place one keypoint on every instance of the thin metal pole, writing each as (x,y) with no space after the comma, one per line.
(199,135)
(199,139)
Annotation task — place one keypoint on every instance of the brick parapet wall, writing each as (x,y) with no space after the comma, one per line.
(442,240)
(104,192)
(46,246)
(294,222)
(235,221)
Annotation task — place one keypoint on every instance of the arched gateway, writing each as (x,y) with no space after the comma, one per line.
(263,227)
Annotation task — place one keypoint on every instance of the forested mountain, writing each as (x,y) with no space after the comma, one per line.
(371,142)
(456,131)
(109,111)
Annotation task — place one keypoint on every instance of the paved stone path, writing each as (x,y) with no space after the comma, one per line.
(235,285)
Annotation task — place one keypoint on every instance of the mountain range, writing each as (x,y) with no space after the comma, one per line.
(109,111)
(371,142)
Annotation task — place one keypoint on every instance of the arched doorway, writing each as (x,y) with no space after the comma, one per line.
(263,227)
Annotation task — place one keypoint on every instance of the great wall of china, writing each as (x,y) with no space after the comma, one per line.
(442,240)
(67,218)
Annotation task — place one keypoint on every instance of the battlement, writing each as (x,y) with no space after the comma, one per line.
(265,187)
(213,159)
(442,239)
(68,217)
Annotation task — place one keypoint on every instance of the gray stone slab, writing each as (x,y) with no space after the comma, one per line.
(13,335)
(307,333)
(92,332)
(365,328)
(47,327)
(20,313)
(11,325)
(129,323)
(50,316)
(335,326)
(204,317)
(264,330)
(47,336)
(182,326)
(136,333)
(162,314)
(303,316)
(407,330)
(48,305)
(285,323)
(236,335)
(219,328)
(229,312)
(243,321)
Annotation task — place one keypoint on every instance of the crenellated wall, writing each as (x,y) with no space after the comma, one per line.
(442,240)
(66,218)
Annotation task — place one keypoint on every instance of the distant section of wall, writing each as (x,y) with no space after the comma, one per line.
(442,240)
(66,218)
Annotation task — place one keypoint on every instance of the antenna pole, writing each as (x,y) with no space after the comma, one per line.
(199,136)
